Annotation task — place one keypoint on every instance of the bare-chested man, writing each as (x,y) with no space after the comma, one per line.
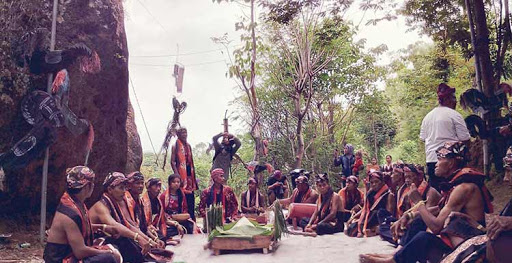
(467,194)
(301,204)
(71,234)
(112,209)
(328,216)
(140,207)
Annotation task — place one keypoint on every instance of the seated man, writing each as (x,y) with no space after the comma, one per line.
(301,203)
(154,210)
(414,175)
(136,206)
(352,199)
(328,217)
(252,200)
(277,186)
(178,220)
(467,194)
(499,233)
(218,194)
(302,193)
(399,188)
(112,209)
(294,174)
(366,222)
(70,237)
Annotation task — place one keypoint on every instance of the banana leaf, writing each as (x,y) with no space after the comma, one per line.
(243,229)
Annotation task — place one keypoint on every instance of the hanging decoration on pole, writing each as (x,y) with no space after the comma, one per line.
(179,108)
(179,70)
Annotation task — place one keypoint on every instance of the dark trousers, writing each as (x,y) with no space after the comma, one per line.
(422,247)
(329,229)
(435,181)
(101,258)
(191,203)
(130,251)
(417,225)
(385,221)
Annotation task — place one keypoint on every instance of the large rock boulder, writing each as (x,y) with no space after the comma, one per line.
(102,98)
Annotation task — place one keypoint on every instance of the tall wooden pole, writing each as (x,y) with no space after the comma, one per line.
(44,183)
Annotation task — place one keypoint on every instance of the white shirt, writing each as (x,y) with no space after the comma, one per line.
(441,125)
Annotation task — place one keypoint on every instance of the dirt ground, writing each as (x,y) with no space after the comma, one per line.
(27,231)
(10,250)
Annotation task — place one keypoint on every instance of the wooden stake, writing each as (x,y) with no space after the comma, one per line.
(44,183)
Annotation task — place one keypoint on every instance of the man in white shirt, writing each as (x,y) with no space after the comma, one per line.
(440,125)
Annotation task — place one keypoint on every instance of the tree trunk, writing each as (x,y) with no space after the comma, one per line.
(330,122)
(300,137)
(256,126)
(375,145)
(482,48)
(485,66)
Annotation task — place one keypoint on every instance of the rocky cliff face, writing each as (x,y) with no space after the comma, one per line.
(102,98)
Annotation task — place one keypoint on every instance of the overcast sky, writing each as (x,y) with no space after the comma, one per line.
(155,29)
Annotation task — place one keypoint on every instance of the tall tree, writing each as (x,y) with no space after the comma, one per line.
(245,72)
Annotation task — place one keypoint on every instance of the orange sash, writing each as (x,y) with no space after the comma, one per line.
(130,203)
(344,196)
(159,221)
(304,197)
(184,156)
(401,194)
(365,214)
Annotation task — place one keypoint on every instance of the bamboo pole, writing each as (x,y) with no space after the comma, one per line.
(44,183)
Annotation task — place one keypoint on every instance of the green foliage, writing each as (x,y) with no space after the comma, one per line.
(411,89)
(408,151)
(375,122)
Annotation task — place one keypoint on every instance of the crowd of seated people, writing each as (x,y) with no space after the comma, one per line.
(134,217)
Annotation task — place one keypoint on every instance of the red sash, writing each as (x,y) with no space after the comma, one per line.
(68,206)
(468,175)
(86,230)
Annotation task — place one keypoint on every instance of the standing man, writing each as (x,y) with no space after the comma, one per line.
(346,161)
(225,151)
(442,124)
(182,163)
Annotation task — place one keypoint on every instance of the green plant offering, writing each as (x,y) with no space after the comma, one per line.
(243,228)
